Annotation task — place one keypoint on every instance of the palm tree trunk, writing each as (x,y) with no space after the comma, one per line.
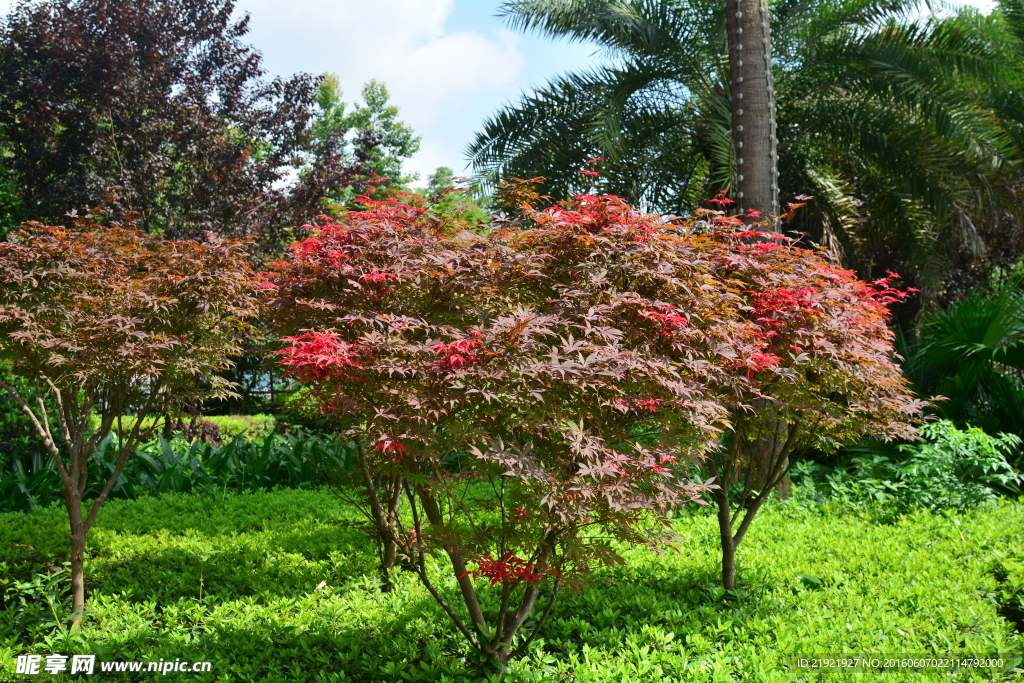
(753,125)
(753,105)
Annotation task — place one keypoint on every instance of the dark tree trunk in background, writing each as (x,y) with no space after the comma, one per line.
(753,105)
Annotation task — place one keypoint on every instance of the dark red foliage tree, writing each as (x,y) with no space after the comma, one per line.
(161,98)
(105,320)
(541,385)
(817,369)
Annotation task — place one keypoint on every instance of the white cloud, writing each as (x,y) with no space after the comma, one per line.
(433,75)
(452,69)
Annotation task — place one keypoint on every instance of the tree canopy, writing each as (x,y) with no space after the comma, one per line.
(101,319)
(574,362)
(163,99)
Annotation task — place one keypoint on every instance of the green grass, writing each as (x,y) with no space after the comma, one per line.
(810,584)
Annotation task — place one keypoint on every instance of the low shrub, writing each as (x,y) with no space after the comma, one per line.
(216,428)
(179,466)
(1008,572)
(948,469)
(249,427)
(281,587)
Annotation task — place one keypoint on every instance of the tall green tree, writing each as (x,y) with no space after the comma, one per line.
(365,142)
(897,121)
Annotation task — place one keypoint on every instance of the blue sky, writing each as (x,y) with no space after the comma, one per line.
(449,64)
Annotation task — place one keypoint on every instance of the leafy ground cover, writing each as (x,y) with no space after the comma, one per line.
(281,586)
(225,427)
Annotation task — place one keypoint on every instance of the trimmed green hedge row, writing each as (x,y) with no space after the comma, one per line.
(279,587)
(250,427)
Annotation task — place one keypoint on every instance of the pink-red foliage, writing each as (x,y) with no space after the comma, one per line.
(573,362)
(105,320)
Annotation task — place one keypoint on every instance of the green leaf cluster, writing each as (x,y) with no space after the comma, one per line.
(972,354)
(949,469)
(161,466)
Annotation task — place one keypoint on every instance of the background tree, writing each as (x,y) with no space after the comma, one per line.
(367,142)
(752,110)
(888,116)
(448,193)
(161,98)
(103,320)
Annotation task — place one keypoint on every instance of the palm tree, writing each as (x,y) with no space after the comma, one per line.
(752,106)
(888,117)
(972,355)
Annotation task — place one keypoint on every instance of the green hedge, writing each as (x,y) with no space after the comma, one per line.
(179,466)
(288,594)
(251,427)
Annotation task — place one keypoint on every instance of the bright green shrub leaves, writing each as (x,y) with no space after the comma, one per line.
(948,469)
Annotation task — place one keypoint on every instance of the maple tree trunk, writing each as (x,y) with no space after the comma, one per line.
(385,499)
(721,497)
(389,551)
(753,105)
(73,503)
(764,453)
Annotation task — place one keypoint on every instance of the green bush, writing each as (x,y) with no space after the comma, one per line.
(179,466)
(281,587)
(1008,572)
(948,469)
(250,427)
(227,427)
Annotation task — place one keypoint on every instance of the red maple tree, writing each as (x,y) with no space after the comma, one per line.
(105,320)
(546,383)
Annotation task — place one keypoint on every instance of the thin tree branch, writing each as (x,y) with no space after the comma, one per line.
(540,624)
(44,434)
(421,571)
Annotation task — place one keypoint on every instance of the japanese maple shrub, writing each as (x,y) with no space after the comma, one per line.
(542,386)
(516,387)
(816,368)
(102,319)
